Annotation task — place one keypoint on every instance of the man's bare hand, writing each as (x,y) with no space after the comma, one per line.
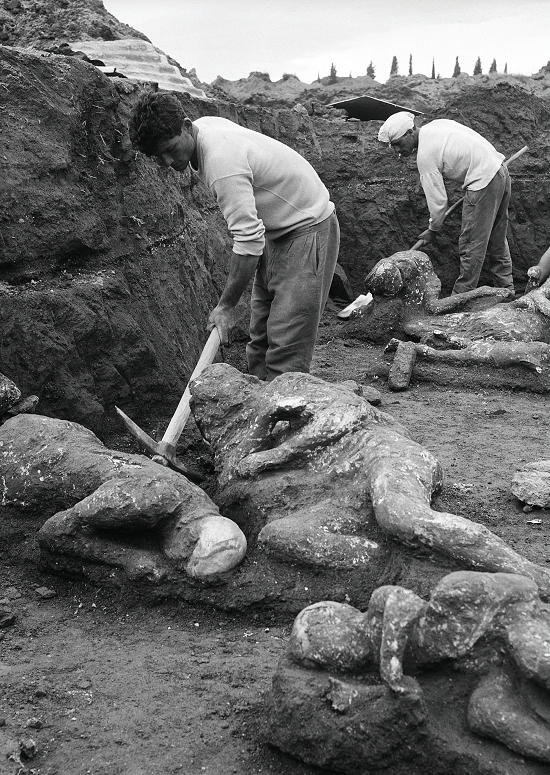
(225,320)
(427,236)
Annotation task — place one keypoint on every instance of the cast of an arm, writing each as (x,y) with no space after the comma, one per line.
(542,269)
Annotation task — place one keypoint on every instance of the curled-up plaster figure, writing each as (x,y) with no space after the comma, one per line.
(501,333)
(111,507)
(317,465)
(538,274)
(491,625)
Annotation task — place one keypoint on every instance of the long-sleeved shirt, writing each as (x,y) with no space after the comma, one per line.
(264,188)
(447,149)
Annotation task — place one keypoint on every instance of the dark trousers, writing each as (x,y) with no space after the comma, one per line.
(289,294)
(484,225)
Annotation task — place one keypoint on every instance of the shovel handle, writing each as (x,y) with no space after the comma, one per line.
(183,410)
(454,206)
(516,155)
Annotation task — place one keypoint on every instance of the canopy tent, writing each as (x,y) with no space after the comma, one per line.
(371,109)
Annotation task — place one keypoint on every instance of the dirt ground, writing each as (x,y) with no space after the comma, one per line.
(104,685)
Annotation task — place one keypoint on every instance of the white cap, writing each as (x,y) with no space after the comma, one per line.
(396,126)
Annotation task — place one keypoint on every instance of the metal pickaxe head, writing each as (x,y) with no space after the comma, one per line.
(162,452)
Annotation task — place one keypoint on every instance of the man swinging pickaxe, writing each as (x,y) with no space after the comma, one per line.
(164,451)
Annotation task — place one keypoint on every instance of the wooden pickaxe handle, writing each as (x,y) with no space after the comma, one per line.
(183,409)
(454,206)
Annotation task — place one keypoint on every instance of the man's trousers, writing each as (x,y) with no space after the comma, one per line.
(484,225)
(289,294)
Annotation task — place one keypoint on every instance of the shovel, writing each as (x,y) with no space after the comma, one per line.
(164,451)
(453,207)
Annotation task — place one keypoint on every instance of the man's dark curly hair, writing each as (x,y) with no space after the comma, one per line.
(158,116)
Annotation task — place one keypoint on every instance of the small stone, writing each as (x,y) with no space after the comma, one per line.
(45,593)
(34,723)
(28,748)
(372,395)
(7,617)
(402,367)
(527,508)
(25,406)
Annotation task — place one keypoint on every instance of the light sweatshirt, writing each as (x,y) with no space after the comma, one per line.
(264,188)
(447,149)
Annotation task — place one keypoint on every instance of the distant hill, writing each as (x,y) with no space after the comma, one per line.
(52,24)
(415,91)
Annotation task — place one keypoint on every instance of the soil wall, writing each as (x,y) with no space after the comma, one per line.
(109,264)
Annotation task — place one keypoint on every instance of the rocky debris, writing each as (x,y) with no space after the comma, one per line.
(372,395)
(28,748)
(12,593)
(15,753)
(42,24)
(25,406)
(475,620)
(531,484)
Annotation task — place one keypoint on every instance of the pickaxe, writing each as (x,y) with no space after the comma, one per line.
(164,451)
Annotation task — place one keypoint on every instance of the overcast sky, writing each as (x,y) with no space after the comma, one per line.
(231,38)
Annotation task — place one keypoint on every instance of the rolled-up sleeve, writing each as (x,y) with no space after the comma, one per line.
(235,197)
